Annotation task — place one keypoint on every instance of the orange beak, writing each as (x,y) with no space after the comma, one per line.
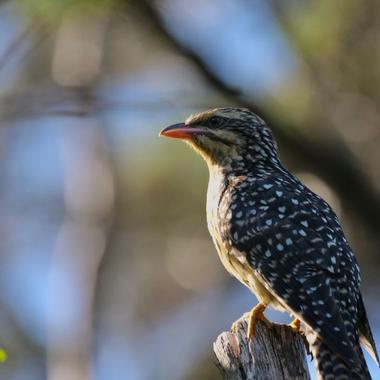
(180,131)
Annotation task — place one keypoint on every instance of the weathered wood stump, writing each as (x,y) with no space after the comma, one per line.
(274,353)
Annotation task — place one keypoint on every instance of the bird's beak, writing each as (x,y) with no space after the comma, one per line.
(180,131)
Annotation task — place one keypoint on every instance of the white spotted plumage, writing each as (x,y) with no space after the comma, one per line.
(281,240)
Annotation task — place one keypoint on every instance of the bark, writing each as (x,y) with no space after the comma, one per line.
(275,352)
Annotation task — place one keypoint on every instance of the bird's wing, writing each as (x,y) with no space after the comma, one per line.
(305,265)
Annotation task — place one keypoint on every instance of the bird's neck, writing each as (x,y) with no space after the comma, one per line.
(249,159)
(244,166)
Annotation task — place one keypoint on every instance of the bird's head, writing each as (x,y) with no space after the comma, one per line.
(226,136)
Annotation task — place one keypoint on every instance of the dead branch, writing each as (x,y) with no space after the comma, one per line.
(276,352)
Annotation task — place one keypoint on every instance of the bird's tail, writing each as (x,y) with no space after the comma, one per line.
(331,366)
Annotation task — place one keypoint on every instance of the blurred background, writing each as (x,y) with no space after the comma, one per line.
(106,267)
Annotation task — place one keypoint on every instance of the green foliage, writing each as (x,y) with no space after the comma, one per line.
(51,10)
(3,355)
(320,26)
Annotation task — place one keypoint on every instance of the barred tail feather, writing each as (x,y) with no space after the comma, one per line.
(331,366)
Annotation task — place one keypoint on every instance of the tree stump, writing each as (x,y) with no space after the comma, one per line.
(274,353)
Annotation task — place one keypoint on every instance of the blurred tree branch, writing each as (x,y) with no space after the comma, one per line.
(17,43)
(328,157)
(68,102)
(33,32)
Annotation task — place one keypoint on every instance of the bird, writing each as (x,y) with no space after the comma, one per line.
(280,239)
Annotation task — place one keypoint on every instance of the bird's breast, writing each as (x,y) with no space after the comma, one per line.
(233,259)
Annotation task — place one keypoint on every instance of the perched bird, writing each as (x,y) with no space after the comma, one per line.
(280,239)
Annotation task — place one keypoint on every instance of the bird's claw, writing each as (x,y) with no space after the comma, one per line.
(235,325)
(295,324)
(257,313)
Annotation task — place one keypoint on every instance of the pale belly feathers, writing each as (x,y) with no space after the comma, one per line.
(232,259)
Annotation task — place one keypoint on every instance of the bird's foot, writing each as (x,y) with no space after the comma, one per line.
(295,325)
(234,326)
(257,313)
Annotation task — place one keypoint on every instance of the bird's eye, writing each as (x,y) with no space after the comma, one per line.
(214,121)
